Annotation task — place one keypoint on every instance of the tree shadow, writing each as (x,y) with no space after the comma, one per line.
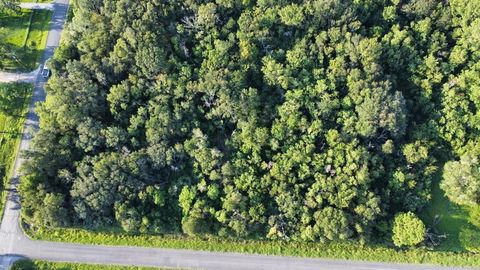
(12,259)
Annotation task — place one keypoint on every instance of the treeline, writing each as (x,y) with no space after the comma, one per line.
(308,120)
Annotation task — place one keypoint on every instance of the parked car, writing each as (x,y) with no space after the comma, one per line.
(46,71)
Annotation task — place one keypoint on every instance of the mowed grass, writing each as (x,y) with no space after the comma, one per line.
(44,265)
(14,99)
(25,41)
(451,220)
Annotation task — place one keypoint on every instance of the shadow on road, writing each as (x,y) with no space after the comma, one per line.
(13,195)
(6,260)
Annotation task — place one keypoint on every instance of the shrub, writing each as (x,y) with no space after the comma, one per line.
(408,230)
(461,181)
(470,239)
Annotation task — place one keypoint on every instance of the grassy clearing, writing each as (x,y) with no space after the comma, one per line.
(348,250)
(43,265)
(14,99)
(453,221)
(25,41)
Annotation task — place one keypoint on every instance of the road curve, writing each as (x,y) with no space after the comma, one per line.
(14,244)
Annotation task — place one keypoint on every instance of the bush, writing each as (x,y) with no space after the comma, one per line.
(24,265)
(408,230)
(194,226)
(470,239)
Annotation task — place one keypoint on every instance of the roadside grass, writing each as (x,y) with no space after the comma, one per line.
(346,250)
(453,221)
(14,99)
(26,41)
(44,265)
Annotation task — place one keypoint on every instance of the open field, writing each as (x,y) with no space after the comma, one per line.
(14,99)
(43,265)
(25,40)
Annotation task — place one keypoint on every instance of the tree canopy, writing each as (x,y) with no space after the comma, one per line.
(461,180)
(311,120)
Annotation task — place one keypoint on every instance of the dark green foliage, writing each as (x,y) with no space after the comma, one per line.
(309,120)
(24,265)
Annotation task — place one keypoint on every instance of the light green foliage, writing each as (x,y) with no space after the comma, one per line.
(470,238)
(461,180)
(22,41)
(408,230)
(292,15)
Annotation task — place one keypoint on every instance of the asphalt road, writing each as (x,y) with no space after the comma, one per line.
(8,77)
(14,244)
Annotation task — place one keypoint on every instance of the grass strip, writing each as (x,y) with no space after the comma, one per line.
(28,29)
(44,265)
(345,250)
(26,34)
(14,100)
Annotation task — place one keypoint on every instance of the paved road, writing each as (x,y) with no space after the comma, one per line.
(189,259)
(8,77)
(14,244)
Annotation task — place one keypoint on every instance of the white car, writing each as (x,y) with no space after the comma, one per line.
(46,71)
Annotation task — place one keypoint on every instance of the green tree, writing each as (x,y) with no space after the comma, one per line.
(408,230)
(53,212)
(461,180)
(292,15)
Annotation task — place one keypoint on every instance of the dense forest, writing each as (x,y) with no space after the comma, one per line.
(312,120)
